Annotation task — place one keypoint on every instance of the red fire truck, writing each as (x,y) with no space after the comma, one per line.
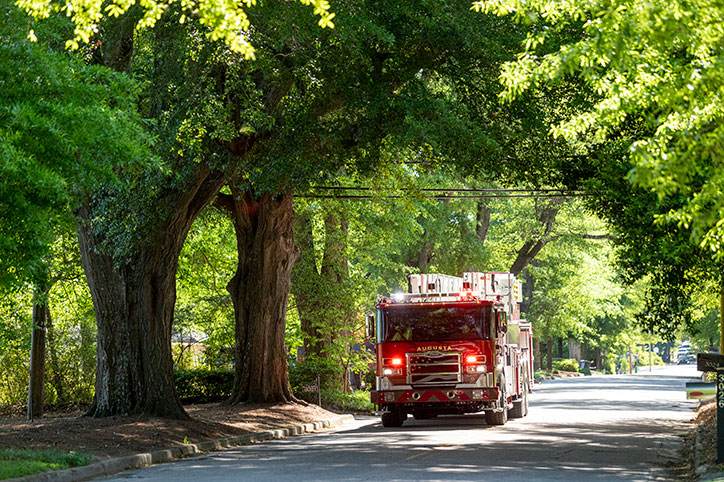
(452,345)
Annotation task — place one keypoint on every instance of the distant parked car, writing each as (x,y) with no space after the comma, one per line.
(686,358)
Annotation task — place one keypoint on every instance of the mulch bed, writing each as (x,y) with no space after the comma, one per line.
(706,428)
(127,435)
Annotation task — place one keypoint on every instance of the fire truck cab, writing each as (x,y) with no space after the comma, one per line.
(452,345)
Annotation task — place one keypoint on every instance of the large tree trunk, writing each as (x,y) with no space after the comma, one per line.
(549,354)
(41,313)
(134,301)
(259,291)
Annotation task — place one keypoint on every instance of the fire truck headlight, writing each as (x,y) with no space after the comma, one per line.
(394,372)
(475,369)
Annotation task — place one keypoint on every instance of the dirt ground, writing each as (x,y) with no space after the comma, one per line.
(706,427)
(118,436)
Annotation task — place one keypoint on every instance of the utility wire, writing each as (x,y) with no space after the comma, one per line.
(439,197)
(482,190)
(468,193)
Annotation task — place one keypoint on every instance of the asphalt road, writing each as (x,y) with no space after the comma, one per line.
(606,428)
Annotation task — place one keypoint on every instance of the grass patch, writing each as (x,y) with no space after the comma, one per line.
(16,462)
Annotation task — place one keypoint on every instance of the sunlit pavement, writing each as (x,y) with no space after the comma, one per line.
(600,428)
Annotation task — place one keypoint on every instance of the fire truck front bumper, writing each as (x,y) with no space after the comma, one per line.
(432,395)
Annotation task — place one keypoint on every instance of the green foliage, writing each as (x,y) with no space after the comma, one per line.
(306,377)
(609,364)
(203,386)
(567,365)
(20,462)
(203,305)
(655,64)
(15,322)
(64,127)
(223,19)
(346,402)
(70,335)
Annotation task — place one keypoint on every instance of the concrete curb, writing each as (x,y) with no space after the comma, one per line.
(113,466)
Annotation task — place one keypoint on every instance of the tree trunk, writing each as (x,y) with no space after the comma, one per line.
(549,354)
(259,291)
(527,292)
(56,377)
(41,313)
(597,358)
(560,348)
(134,301)
(482,221)
(546,212)
(537,354)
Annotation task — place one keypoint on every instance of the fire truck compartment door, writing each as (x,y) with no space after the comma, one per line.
(509,379)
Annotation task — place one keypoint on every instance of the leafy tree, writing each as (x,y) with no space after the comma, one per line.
(226,20)
(88,132)
(656,64)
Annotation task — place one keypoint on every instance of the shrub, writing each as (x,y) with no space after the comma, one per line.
(566,365)
(357,401)
(303,377)
(204,386)
(609,364)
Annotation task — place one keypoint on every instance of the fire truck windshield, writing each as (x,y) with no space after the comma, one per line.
(436,323)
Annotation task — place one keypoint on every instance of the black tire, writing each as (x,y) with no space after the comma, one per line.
(520,407)
(501,416)
(393,419)
(517,410)
(496,418)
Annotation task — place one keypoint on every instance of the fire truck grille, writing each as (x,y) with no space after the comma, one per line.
(434,368)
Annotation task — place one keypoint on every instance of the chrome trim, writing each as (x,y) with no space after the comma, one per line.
(452,375)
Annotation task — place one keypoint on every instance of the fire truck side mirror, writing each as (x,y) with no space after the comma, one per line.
(502,323)
(370,326)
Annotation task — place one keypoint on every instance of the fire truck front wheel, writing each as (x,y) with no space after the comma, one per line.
(393,418)
(500,416)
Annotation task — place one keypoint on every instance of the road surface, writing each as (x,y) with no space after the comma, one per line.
(600,428)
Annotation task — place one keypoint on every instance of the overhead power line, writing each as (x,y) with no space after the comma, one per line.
(480,196)
(451,189)
(447,193)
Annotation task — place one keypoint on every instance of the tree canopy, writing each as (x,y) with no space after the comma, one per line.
(225,20)
(656,65)
(65,127)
